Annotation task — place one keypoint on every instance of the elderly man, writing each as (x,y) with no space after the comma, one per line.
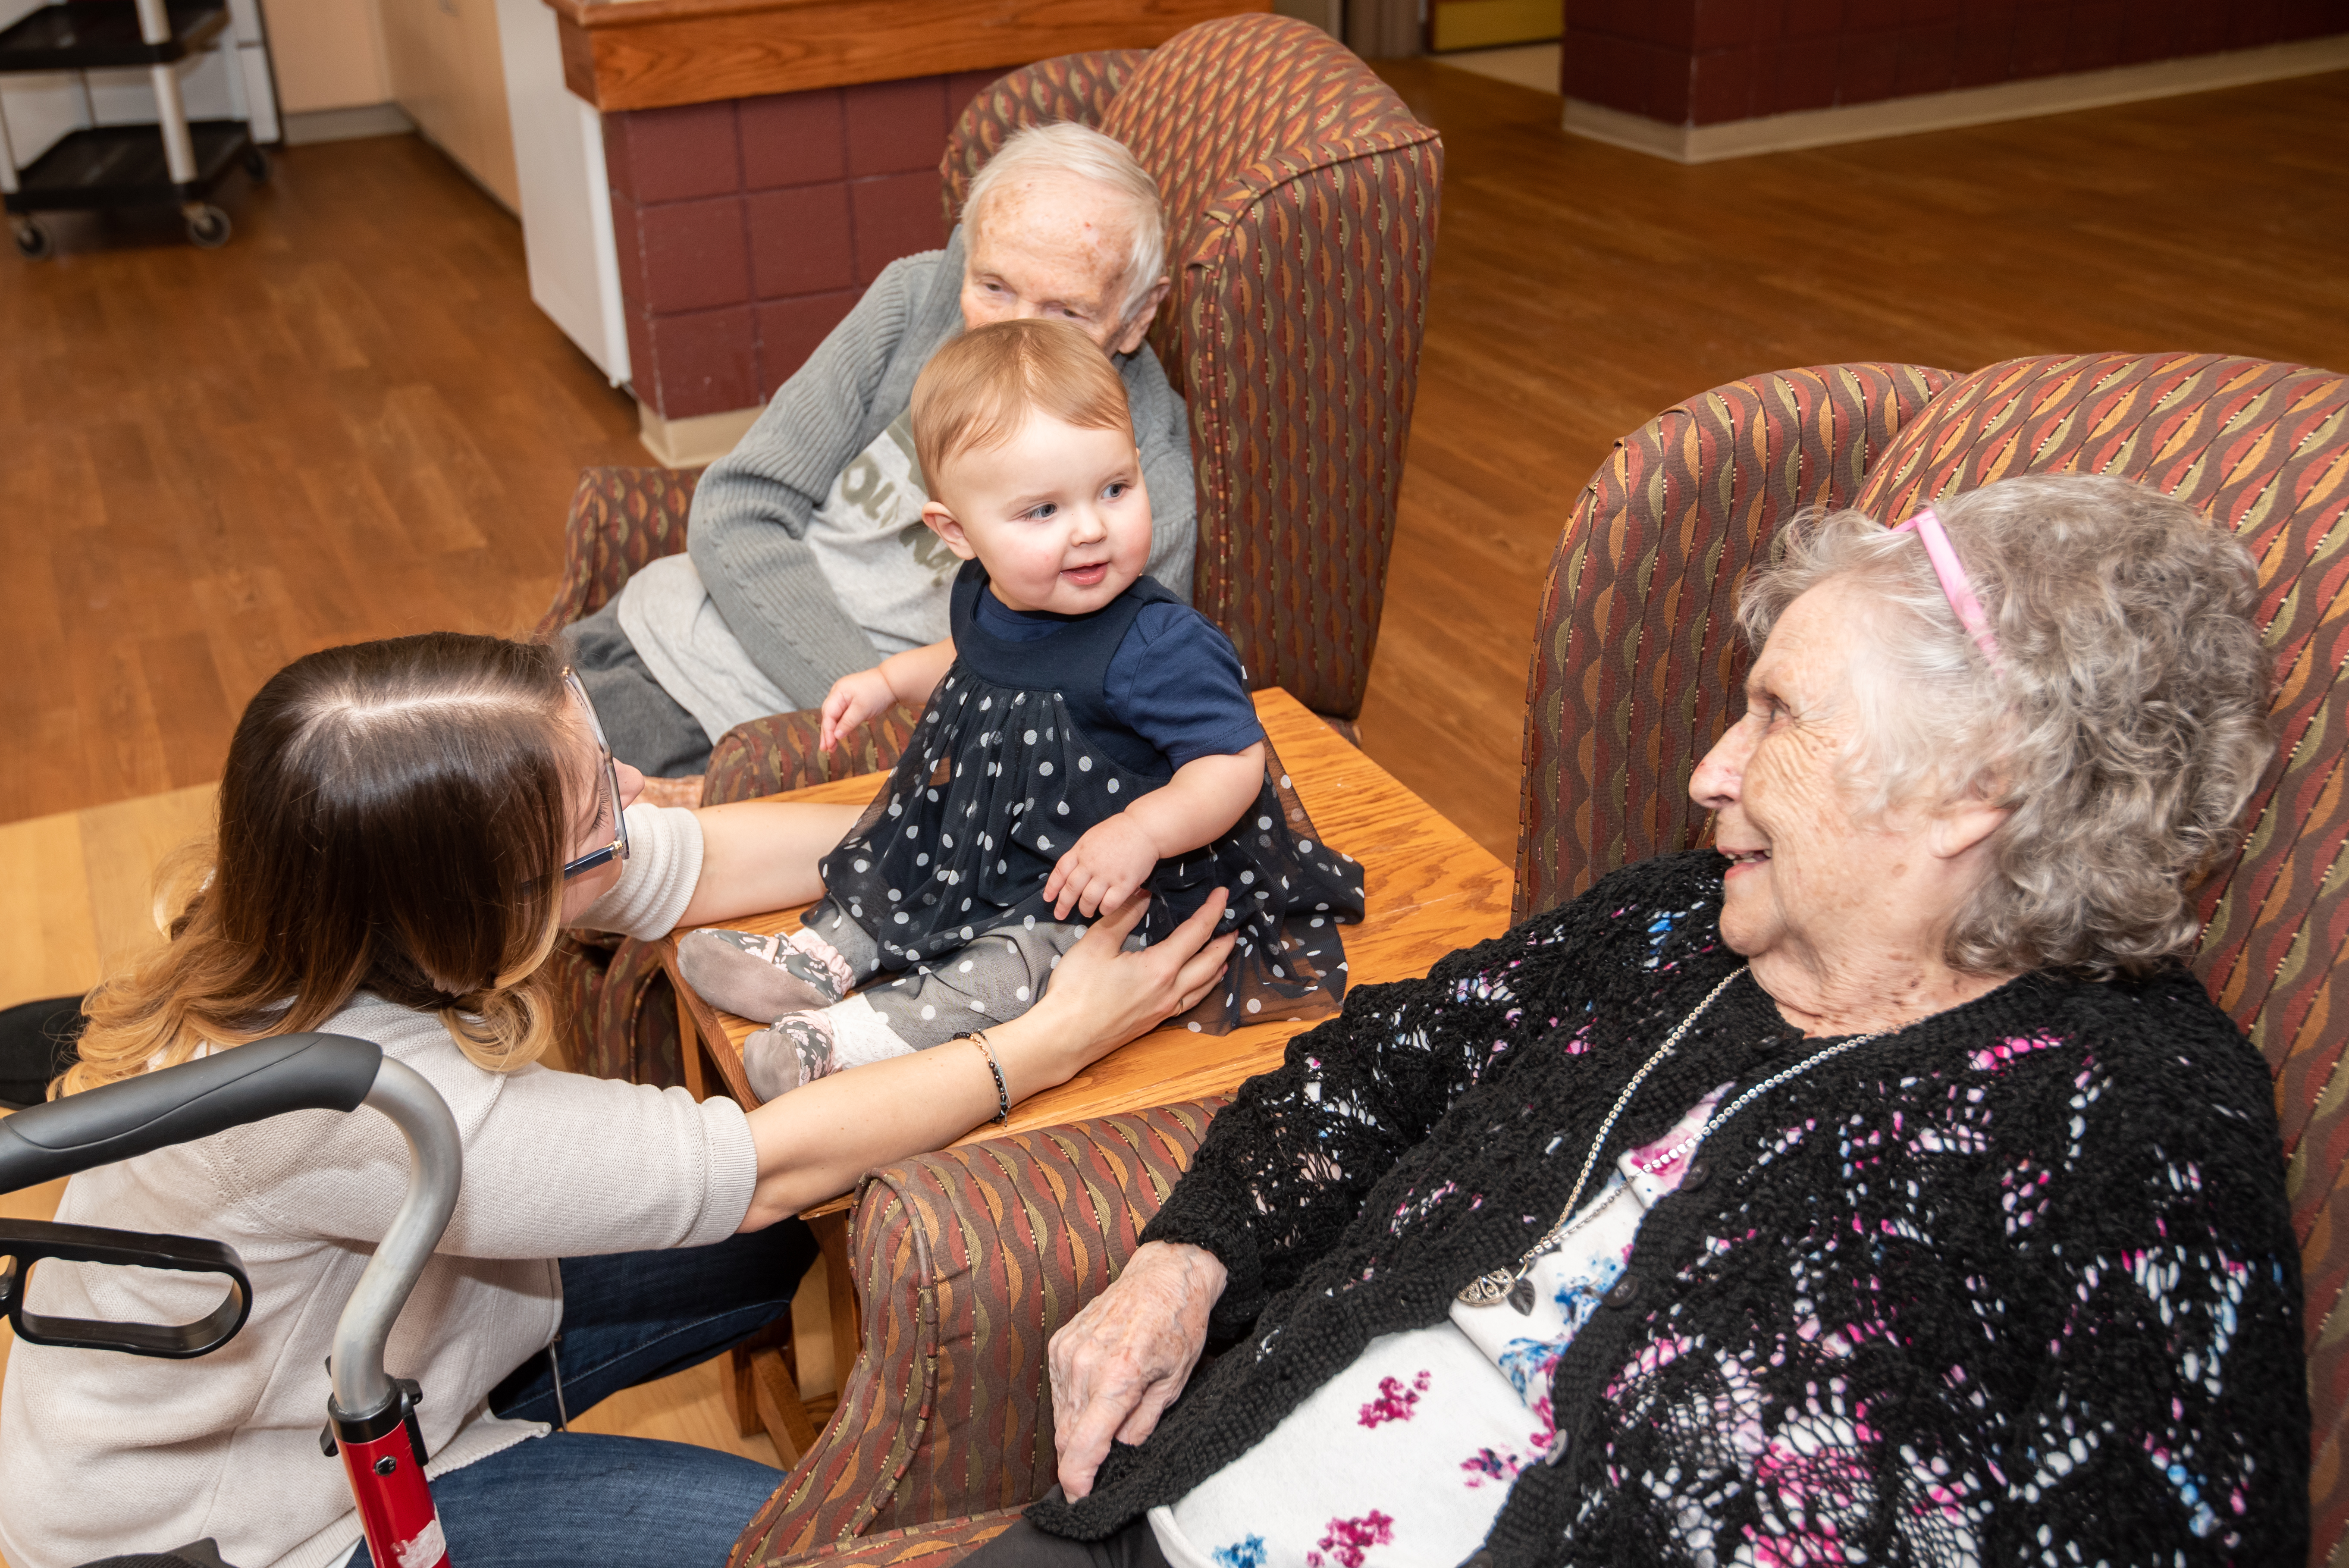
(807,557)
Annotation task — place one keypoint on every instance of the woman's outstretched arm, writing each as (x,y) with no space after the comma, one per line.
(760,855)
(814,1142)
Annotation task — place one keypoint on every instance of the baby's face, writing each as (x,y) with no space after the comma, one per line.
(1057,514)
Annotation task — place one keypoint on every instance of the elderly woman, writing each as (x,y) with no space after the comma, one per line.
(1877,1187)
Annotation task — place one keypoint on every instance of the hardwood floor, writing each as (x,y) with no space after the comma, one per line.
(349,423)
(77,901)
(1580,288)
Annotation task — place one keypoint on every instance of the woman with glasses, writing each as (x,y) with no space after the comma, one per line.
(404,827)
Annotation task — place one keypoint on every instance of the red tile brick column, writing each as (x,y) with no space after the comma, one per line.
(1708,62)
(747,227)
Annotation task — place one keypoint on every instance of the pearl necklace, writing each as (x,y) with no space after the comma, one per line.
(1510,1283)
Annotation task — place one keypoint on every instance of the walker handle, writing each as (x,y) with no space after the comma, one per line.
(195,1099)
(24,1243)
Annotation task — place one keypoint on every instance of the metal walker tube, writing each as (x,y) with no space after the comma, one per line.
(436,1170)
(372,1419)
(7,159)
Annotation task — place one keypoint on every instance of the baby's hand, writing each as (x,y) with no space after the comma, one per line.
(852,700)
(1100,870)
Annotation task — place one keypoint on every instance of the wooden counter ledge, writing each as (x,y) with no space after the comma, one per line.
(658,54)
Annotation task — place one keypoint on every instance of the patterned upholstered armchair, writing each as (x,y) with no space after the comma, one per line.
(1301,196)
(967,1260)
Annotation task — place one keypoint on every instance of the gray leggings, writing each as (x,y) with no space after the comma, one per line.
(991,979)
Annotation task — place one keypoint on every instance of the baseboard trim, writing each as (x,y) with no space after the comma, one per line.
(696,441)
(1947,111)
(310,127)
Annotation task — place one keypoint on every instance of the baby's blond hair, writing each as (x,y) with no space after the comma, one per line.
(981,387)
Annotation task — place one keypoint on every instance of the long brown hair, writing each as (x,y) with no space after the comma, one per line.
(393,819)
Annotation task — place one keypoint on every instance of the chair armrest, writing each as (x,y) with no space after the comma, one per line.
(1068,86)
(938,1544)
(621,519)
(967,1261)
(1637,663)
(770,755)
(615,1011)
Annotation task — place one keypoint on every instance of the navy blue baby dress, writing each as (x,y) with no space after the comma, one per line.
(1016,757)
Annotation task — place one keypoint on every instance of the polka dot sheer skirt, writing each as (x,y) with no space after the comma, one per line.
(999,783)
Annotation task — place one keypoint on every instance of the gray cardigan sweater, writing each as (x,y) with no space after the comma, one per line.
(747,535)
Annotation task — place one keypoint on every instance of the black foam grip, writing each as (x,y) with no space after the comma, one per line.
(195,1099)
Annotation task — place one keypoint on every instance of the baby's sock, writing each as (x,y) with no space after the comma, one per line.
(763,976)
(799,1047)
(795,1049)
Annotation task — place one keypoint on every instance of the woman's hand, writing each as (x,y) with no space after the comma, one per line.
(1118,1364)
(1099,996)
(853,699)
(1100,870)
(814,1142)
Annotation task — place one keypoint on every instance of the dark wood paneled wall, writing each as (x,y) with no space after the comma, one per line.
(1705,62)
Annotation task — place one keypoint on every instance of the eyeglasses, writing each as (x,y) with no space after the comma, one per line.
(617,850)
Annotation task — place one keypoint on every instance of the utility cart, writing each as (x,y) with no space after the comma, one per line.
(175,163)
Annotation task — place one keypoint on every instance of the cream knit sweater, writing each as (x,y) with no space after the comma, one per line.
(103,1453)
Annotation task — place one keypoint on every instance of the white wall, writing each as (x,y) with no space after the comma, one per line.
(329,53)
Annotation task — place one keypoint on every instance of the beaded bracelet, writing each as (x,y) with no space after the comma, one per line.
(1002,1096)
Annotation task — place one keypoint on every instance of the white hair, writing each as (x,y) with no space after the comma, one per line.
(1081,152)
(2123,728)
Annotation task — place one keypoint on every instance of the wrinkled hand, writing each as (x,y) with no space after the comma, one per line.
(1118,1364)
(1100,871)
(852,700)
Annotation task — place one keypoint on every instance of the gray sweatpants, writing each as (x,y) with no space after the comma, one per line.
(649,729)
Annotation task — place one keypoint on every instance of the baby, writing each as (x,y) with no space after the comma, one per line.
(1087,737)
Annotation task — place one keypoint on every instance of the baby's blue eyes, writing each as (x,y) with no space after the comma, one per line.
(1045,510)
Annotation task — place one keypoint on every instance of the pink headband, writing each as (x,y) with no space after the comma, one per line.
(1955,584)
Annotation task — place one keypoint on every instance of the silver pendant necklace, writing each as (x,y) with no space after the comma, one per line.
(1510,1284)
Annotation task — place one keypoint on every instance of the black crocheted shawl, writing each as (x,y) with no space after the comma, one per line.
(2016,1285)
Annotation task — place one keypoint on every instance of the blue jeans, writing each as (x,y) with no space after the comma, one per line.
(589,1500)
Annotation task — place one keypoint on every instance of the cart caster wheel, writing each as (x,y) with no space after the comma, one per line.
(207,227)
(33,242)
(256,166)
